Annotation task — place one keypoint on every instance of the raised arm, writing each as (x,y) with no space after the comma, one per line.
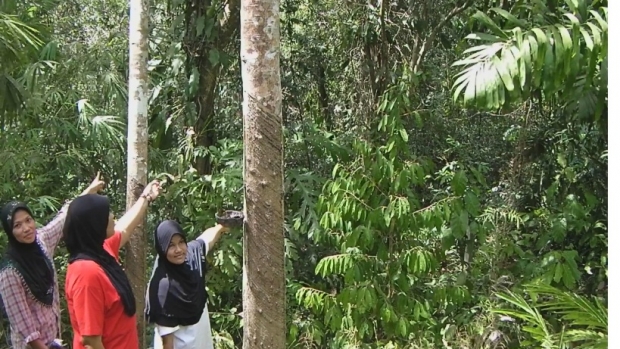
(132,218)
(52,232)
(212,235)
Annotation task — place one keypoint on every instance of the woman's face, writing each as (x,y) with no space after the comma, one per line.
(24,227)
(110,229)
(177,250)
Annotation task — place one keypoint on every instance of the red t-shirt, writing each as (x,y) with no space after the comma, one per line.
(95,308)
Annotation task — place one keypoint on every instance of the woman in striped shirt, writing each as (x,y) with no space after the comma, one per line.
(28,280)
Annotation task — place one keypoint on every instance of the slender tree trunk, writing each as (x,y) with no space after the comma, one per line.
(137,149)
(264,297)
(197,47)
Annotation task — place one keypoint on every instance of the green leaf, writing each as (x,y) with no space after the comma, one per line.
(200,25)
(481,88)
(470,91)
(567,277)
(386,313)
(573,5)
(486,20)
(570,174)
(403,135)
(542,44)
(602,23)
(402,327)
(558,45)
(472,205)
(459,182)
(570,256)
(550,78)
(558,272)
(504,66)
(562,159)
(335,170)
(525,65)
(509,17)
(483,37)
(214,57)
(586,38)
(463,224)
(533,58)
(566,39)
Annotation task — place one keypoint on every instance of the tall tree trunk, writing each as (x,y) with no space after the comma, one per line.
(264,297)
(137,148)
(324,96)
(205,118)
(198,47)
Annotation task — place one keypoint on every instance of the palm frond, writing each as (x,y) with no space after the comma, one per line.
(536,326)
(585,320)
(106,129)
(19,45)
(576,309)
(16,37)
(566,57)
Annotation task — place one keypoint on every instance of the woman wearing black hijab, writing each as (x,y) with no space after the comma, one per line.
(28,281)
(96,286)
(176,299)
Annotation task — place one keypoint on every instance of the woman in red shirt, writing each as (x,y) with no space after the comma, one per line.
(96,286)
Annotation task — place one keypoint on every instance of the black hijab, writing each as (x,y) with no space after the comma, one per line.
(84,234)
(28,259)
(176,295)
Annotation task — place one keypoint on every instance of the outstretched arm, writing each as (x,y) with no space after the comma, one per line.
(132,218)
(212,235)
(52,232)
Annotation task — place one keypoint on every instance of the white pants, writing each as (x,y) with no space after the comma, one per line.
(197,336)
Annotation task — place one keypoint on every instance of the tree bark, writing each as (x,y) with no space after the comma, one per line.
(264,294)
(137,149)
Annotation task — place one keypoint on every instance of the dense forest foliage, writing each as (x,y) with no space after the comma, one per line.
(445,161)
